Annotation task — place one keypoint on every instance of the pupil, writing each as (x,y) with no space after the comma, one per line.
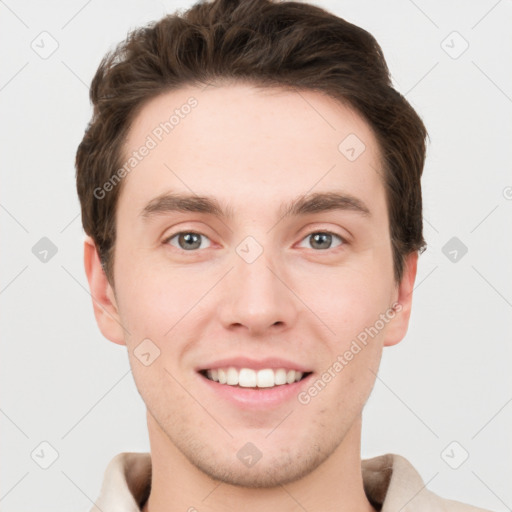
(324,236)
(189,237)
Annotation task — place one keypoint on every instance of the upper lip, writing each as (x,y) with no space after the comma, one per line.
(245,362)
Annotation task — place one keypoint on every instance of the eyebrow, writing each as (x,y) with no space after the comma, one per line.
(302,205)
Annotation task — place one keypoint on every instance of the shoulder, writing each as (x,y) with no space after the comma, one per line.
(392,483)
(126,483)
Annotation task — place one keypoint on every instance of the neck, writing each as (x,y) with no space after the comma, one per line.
(178,485)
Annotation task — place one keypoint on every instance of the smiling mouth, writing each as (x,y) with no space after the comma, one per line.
(252,379)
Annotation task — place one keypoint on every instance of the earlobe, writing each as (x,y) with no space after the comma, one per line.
(103,298)
(397,328)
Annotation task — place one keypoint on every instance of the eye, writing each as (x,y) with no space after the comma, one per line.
(323,239)
(187,240)
(190,240)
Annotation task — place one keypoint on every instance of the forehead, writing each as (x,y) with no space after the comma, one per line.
(241,143)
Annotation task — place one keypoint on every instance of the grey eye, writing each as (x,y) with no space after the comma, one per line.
(187,240)
(323,239)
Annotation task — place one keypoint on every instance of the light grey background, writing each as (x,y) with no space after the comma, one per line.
(448,380)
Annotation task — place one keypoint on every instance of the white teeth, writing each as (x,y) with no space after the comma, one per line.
(222,376)
(232,377)
(248,378)
(280,376)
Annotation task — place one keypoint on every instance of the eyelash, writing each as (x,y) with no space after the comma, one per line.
(323,232)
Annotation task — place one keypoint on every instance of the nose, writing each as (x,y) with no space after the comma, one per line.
(257,298)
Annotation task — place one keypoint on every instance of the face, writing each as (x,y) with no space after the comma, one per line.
(256,279)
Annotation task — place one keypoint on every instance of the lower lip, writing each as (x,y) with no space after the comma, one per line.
(257,398)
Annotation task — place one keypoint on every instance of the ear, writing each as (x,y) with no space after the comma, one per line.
(103,298)
(397,327)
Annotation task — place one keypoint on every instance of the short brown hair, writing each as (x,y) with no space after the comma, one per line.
(285,44)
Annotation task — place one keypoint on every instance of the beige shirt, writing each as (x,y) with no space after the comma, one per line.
(390,482)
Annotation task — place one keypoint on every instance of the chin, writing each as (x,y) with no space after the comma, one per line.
(266,475)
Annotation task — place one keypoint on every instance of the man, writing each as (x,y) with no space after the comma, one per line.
(250,188)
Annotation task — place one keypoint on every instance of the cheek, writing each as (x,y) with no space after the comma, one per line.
(148,304)
(347,299)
